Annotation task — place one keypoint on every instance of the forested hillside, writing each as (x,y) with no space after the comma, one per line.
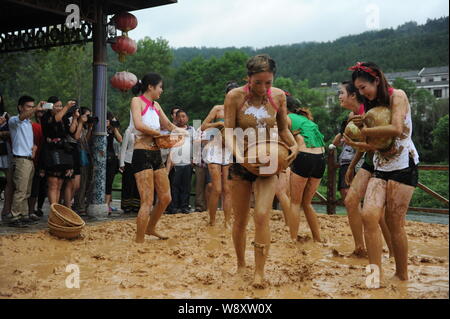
(408,47)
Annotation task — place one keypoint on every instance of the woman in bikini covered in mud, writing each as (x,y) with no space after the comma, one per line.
(255,106)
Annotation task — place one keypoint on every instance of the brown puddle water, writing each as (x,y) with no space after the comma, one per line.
(198,261)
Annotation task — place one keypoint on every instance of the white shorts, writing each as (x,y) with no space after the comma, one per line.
(216,154)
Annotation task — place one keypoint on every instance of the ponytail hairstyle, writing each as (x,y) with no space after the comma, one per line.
(230,86)
(369,72)
(294,106)
(150,79)
(351,89)
(261,63)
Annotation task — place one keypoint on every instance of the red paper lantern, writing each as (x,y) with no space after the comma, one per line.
(123,81)
(125,21)
(124,46)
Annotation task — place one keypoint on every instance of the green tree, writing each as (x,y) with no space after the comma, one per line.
(405,85)
(200,84)
(440,139)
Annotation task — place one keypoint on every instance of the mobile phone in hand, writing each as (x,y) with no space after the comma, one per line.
(48,106)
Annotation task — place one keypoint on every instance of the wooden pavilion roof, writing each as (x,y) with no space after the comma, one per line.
(16,15)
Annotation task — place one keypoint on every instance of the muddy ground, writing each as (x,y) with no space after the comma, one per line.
(198,261)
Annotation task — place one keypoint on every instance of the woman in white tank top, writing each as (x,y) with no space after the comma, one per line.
(396,173)
(147,119)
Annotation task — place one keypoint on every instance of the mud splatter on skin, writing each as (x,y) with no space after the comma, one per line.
(199,262)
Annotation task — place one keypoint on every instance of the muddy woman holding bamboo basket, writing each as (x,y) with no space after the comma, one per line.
(350,99)
(255,109)
(395,163)
(147,119)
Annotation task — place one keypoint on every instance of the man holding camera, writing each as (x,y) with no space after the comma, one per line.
(23,150)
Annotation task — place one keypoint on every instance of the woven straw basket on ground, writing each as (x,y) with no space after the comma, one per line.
(64,222)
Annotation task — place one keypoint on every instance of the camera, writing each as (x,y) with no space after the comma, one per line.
(72,110)
(115,123)
(92,120)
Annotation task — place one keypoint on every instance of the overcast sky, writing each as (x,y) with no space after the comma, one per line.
(260,23)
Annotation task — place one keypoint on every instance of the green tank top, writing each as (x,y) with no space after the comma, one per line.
(308,129)
(368,158)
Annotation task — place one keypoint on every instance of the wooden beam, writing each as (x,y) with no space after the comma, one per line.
(321,196)
(429,210)
(432,193)
(57,7)
(433,167)
(132,5)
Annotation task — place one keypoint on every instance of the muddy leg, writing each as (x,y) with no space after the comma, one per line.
(281,193)
(264,195)
(144,181)
(372,211)
(353,205)
(310,212)
(386,234)
(240,192)
(162,186)
(298,184)
(215,171)
(398,198)
(227,206)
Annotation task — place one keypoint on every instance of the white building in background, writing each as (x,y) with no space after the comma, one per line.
(433,79)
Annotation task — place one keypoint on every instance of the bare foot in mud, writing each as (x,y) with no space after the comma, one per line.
(303,238)
(318,240)
(139,241)
(240,271)
(211,224)
(399,278)
(336,253)
(156,234)
(258,282)
(359,253)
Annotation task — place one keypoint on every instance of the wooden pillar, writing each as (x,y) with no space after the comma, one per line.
(98,207)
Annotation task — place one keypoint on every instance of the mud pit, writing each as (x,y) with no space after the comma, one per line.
(199,262)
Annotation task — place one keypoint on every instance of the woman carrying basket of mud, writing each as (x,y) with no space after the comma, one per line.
(255,108)
(148,167)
